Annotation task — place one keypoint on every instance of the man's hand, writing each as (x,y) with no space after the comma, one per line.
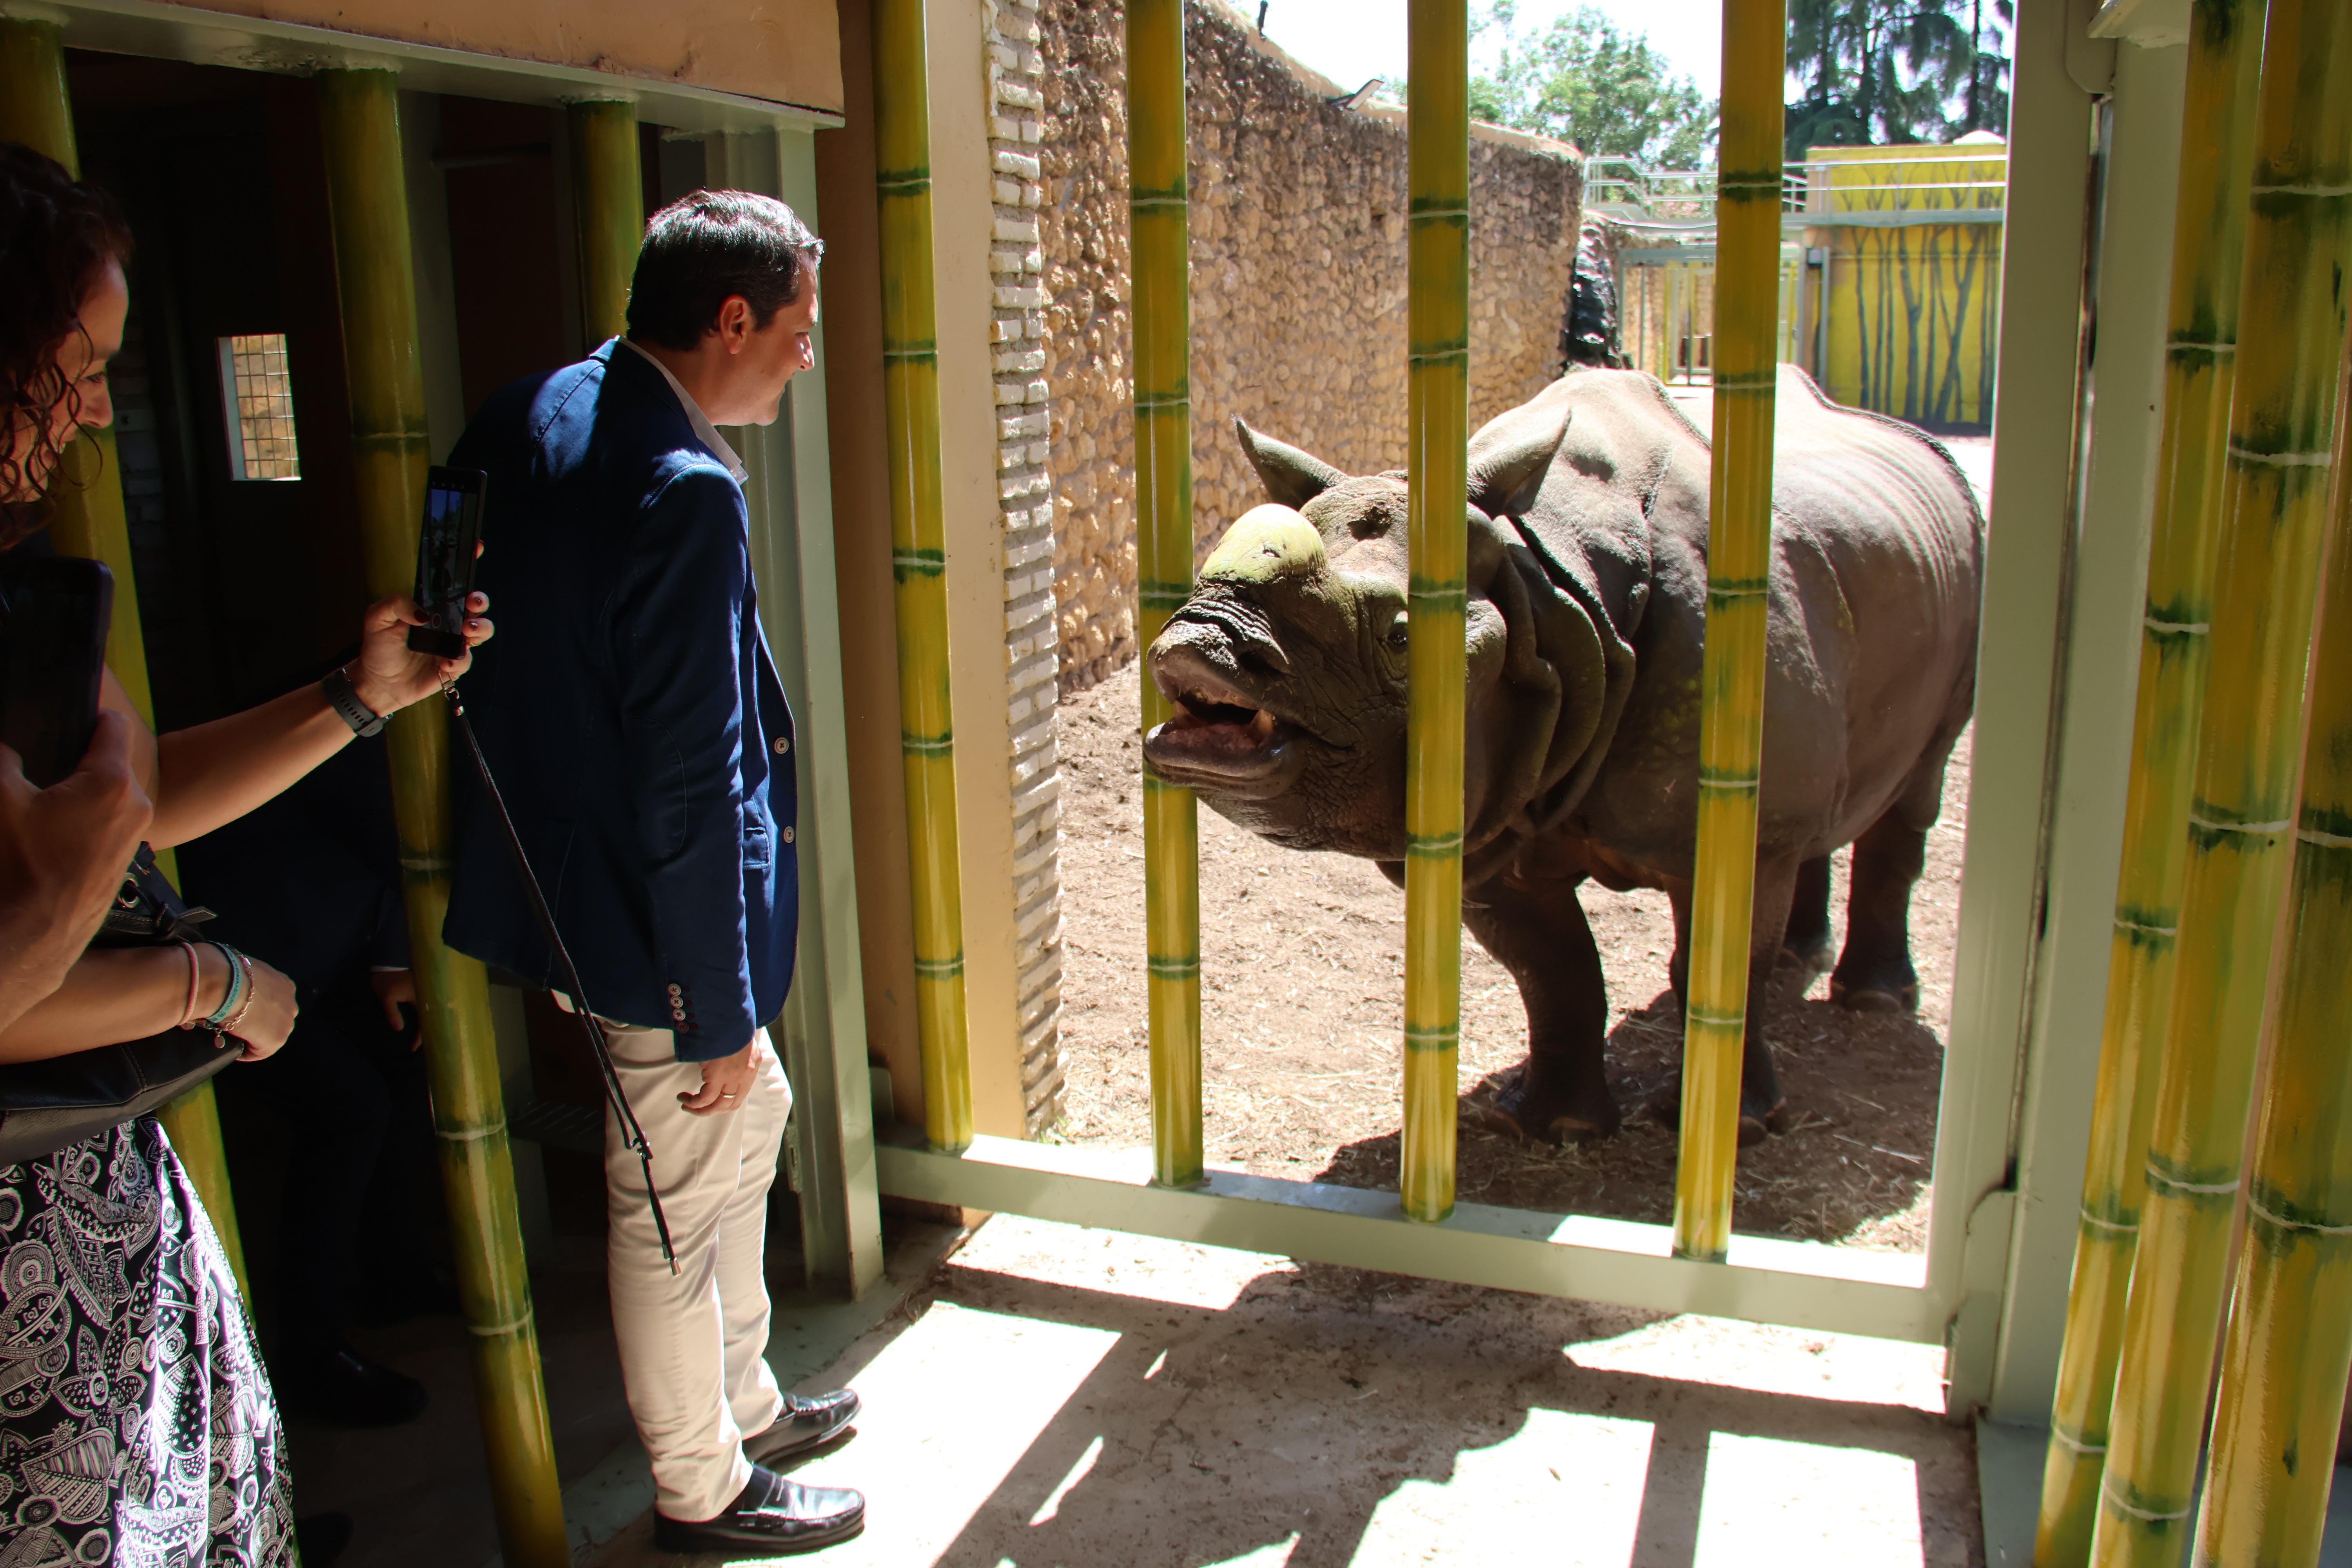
(393,989)
(725,1082)
(63,852)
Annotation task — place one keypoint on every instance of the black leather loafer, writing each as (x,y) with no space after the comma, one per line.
(773,1516)
(805,1424)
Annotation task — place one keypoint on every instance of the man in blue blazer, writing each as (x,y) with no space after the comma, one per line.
(636,724)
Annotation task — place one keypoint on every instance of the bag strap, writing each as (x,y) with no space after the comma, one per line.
(632,1133)
(147,911)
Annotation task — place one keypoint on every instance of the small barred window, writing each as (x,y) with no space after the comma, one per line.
(258,394)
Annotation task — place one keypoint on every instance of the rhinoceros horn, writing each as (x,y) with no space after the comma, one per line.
(1292,477)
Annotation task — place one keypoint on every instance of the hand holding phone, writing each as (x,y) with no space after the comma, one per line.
(447,543)
(446,620)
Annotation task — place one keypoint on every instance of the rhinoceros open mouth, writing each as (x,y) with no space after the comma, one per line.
(1220,739)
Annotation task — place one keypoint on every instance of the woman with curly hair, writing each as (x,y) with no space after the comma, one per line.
(136,1423)
(62,849)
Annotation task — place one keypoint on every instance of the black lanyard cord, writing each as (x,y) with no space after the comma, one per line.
(632,1133)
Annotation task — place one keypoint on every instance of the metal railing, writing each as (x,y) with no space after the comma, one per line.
(1819,194)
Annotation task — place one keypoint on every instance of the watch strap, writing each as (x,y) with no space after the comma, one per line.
(337,688)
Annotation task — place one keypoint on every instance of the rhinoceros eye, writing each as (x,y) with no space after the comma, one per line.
(1397,631)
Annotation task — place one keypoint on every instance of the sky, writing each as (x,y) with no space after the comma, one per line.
(1352,40)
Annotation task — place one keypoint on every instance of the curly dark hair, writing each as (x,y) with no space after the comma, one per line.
(57,235)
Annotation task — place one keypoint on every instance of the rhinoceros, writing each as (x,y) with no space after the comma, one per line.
(1587,532)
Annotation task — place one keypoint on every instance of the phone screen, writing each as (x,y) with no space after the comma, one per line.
(445,558)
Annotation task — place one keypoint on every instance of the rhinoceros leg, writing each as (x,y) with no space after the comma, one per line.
(1808,945)
(1874,973)
(1762,1106)
(1539,933)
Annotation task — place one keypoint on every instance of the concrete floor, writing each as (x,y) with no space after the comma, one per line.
(421,1486)
(1055,1395)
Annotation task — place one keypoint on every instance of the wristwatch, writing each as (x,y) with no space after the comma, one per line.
(337,689)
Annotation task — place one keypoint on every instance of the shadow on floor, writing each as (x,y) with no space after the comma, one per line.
(1203,1461)
(419,1493)
(1068,1397)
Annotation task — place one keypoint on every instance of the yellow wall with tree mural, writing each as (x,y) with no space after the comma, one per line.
(1913,307)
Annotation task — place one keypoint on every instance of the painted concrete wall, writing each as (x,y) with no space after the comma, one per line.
(861,527)
(963,224)
(785,50)
(963,211)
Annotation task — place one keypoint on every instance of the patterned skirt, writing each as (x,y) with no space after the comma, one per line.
(137,1424)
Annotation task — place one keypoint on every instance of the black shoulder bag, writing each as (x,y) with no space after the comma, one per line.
(47,1105)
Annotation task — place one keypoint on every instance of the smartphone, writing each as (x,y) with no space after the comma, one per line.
(55,612)
(445,558)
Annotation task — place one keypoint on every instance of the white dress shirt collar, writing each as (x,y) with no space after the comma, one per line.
(704,430)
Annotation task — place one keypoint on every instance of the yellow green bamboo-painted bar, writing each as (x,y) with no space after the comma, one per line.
(1666,276)
(368,213)
(911,394)
(1731,676)
(1438,447)
(608,204)
(88,519)
(1158,192)
(2225,50)
(2290,1341)
(35,107)
(2291,335)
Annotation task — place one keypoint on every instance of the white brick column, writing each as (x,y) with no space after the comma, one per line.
(1025,487)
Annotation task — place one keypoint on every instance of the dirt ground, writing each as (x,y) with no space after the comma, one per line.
(1302,996)
(1121,1399)
(1302,964)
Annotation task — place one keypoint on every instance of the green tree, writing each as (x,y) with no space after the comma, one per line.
(1585,81)
(1987,92)
(1895,71)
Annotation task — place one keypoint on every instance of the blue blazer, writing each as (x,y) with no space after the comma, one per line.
(631,712)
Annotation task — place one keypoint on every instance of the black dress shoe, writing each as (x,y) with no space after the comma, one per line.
(349,1389)
(805,1424)
(772,1515)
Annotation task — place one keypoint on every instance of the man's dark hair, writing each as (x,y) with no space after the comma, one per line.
(701,248)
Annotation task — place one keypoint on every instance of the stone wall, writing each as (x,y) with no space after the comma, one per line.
(1023,487)
(1298,288)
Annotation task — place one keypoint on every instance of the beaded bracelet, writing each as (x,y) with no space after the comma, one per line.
(237,986)
(251,991)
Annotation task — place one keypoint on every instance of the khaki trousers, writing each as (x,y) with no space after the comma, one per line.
(693,1344)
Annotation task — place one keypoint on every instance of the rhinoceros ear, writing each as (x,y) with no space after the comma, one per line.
(1292,477)
(1510,458)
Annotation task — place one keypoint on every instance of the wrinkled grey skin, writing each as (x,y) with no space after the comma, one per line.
(1588,516)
